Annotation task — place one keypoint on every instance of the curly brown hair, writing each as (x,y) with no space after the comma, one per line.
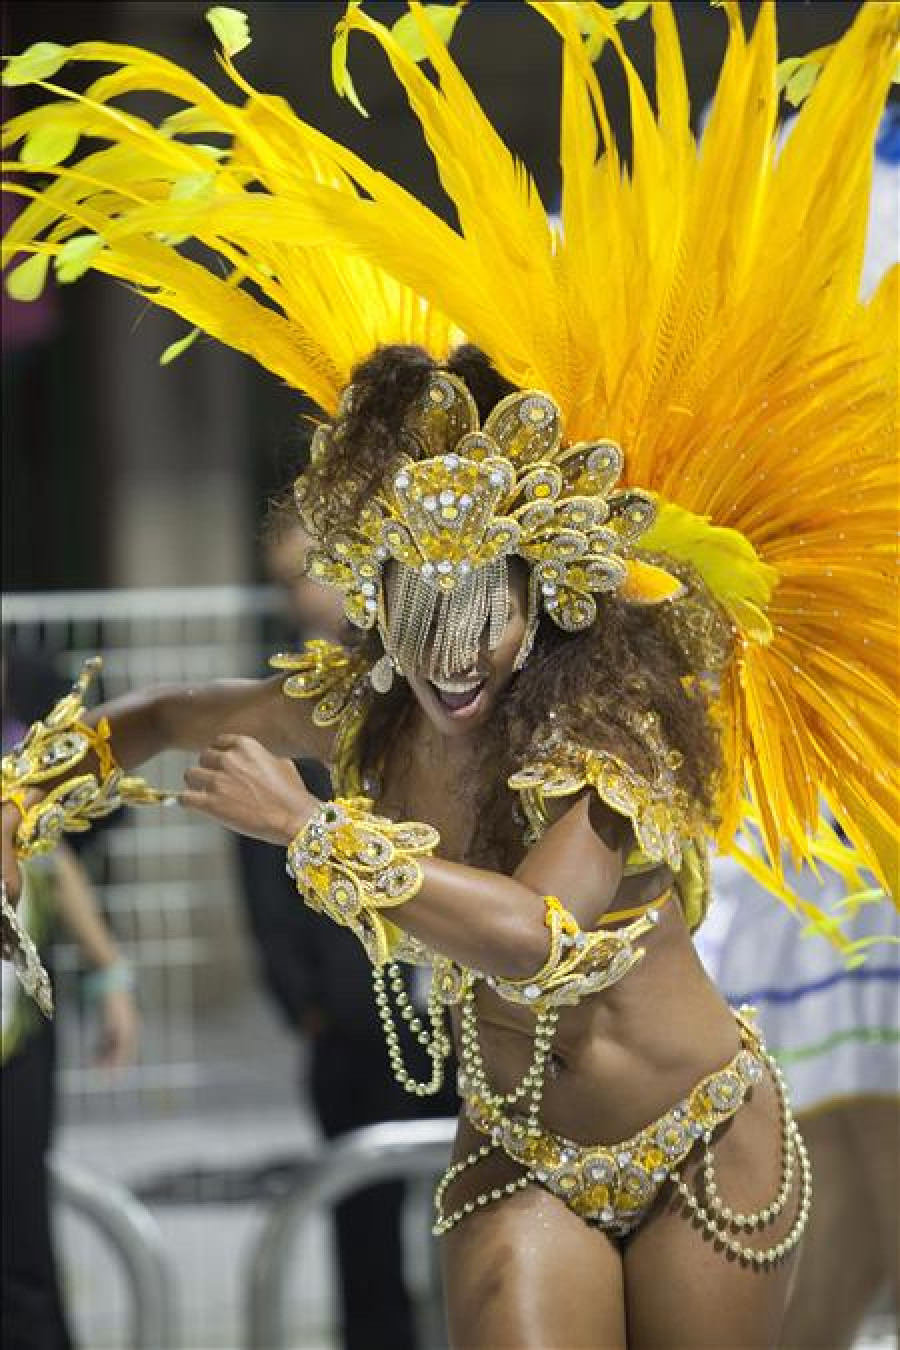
(597,683)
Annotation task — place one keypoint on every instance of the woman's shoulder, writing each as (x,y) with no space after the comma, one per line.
(643,787)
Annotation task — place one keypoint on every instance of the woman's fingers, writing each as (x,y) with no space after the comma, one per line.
(228,741)
(200,780)
(199,789)
(242,785)
(211,758)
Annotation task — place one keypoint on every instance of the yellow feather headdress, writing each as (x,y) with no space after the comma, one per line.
(698,306)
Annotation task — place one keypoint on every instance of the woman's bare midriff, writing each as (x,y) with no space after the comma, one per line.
(621,1057)
(624,1056)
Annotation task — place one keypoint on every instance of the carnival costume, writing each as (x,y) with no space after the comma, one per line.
(706,421)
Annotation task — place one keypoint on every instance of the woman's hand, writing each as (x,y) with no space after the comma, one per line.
(120,1028)
(241,784)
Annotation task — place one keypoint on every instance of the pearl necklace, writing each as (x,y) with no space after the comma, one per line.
(433,1039)
(475,1074)
(475,1079)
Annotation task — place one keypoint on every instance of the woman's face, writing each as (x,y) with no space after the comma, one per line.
(457,704)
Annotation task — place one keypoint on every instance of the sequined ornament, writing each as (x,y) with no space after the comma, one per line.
(25,958)
(382,675)
(614,1185)
(352,865)
(463,499)
(52,748)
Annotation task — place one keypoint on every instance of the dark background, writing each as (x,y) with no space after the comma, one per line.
(117,472)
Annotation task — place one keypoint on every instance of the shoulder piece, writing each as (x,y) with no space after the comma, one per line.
(324,671)
(692,881)
(337,679)
(657,808)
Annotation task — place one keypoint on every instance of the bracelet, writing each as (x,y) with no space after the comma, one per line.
(58,742)
(350,864)
(580,963)
(53,747)
(107,980)
(25,957)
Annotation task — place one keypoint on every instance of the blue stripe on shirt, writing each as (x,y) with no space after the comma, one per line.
(815,987)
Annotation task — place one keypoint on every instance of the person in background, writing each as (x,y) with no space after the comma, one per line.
(320,979)
(57,890)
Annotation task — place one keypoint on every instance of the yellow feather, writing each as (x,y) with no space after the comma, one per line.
(648,585)
(727,562)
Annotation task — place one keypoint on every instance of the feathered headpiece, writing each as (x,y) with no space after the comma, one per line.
(698,307)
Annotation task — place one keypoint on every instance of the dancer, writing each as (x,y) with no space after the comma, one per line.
(622,557)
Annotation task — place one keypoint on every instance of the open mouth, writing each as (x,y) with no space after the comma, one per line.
(458,698)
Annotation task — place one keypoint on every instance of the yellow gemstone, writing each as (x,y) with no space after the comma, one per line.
(654,1157)
(542,490)
(590,1201)
(541,1152)
(449,512)
(700,1106)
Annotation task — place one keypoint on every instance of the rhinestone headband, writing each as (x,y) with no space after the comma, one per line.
(460,500)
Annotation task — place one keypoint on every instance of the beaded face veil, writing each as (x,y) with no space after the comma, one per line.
(429,559)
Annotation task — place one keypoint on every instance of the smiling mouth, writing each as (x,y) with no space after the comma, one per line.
(457,696)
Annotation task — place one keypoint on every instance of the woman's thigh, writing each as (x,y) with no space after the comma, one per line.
(525,1273)
(682,1289)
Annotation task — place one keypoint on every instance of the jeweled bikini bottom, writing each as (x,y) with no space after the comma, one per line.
(613,1186)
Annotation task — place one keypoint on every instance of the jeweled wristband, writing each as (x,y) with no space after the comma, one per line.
(350,864)
(51,748)
(581,962)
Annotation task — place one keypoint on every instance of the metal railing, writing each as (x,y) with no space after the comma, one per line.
(403,1149)
(134,1236)
(166,879)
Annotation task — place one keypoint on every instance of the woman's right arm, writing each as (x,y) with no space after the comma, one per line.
(187,717)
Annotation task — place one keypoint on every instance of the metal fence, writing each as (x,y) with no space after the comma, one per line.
(165,879)
(413,1149)
(135,1240)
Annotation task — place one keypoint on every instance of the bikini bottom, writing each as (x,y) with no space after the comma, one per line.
(613,1186)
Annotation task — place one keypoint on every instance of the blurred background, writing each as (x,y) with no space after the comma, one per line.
(132,503)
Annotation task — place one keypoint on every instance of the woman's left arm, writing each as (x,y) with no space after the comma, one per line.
(478,918)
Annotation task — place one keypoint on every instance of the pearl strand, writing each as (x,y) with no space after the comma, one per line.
(435,1042)
(445,1222)
(716,1217)
(473,1061)
(477,1084)
(767,1215)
